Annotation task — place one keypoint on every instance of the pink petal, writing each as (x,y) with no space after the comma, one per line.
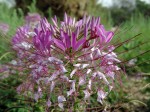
(109,37)
(101,96)
(79,43)
(90,84)
(111,74)
(66,39)
(65,18)
(55,60)
(61,99)
(73,72)
(88,71)
(55,21)
(54,76)
(52,86)
(87,94)
(97,53)
(70,92)
(73,42)
(65,78)
(81,81)
(84,65)
(63,69)
(59,44)
(101,75)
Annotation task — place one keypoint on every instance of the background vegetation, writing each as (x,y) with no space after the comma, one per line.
(133,94)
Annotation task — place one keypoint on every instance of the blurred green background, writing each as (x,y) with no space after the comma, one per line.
(127,17)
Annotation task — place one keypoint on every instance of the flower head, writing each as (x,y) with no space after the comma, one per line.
(66,56)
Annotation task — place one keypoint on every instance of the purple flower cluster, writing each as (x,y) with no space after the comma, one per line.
(66,59)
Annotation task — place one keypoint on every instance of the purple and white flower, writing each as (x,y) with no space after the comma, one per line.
(63,58)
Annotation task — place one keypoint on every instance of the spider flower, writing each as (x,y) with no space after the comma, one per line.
(68,58)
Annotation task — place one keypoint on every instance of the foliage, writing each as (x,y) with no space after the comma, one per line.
(58,7)
(140,44)
(12,17)
(143,8)
(120,15)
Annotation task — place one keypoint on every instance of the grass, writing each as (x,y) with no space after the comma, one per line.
(12,17)
(137,24)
